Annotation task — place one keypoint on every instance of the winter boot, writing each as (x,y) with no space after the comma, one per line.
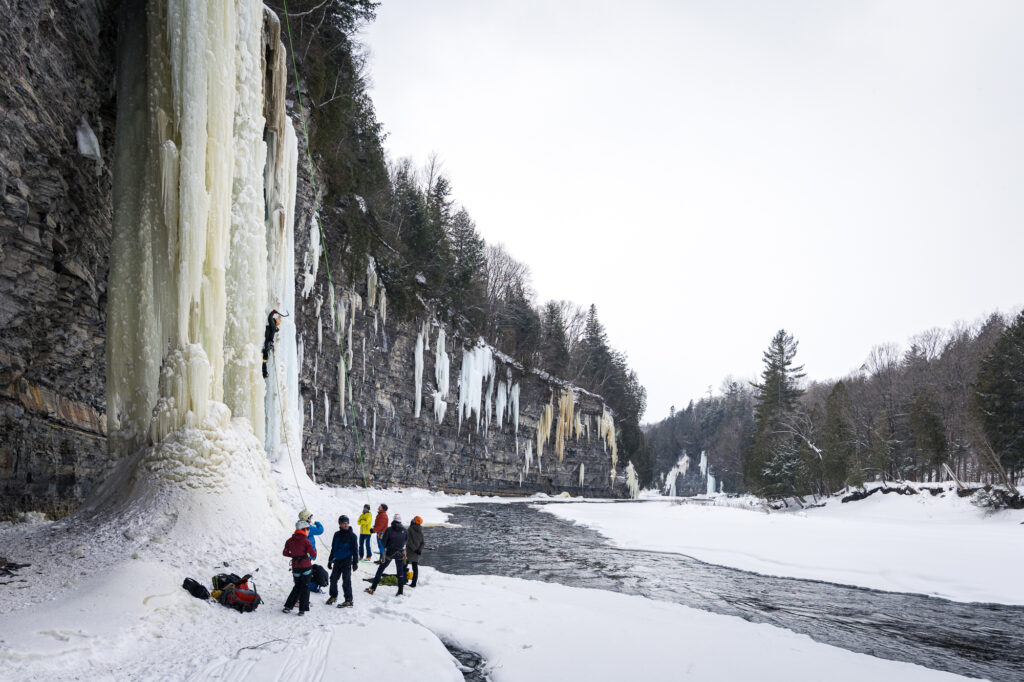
(331,600)
(286,610)
(368,590)
(344,604)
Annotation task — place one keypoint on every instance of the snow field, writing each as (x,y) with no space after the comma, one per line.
(939,546)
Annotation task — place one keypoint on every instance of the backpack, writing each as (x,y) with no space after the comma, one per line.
(195,589)
(222,580)
(320,575)
(241,599)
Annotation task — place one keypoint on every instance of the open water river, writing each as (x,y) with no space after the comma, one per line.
(978,640)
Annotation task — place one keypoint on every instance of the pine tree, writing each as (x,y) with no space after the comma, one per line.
(928,429)
(999,396)
(839,449)
(777,396)
(554,340)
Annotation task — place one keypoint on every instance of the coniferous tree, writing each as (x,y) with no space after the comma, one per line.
(839,436)
(777,395)
(999,396)
(928,431)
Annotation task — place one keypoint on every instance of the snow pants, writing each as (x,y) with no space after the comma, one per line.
(300,591)
(342,569)
(399,572)
(365,540)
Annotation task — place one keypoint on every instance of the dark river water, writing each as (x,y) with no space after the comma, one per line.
(978,640)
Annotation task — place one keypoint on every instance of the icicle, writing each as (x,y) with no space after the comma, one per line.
(426,336)
(348,346)
(712,487)
(364,359)
(383,296)
(319,333)
(477,364)
(327,412)
(332,305)
(371,282)
(632,483)
(544,428)
(513,399)
(339,329)
(703,463)
(680,469)
(606,433)
(418,400)
(487,399)
(440,406)
(528,456)
(500,402)
(341,385)
(581,474)
(441,365)
(566,415)
(374,431)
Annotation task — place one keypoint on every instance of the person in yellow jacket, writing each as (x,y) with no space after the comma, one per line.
(365,523)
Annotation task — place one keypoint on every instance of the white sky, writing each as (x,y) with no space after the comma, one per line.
(708,172)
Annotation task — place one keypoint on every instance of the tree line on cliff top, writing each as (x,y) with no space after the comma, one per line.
(954,398)
(428,251)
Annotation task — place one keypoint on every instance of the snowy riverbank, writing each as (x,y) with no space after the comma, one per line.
(941,546)
(92,616)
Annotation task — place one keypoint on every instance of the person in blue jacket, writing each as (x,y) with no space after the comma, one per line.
(343,560)
(315,528)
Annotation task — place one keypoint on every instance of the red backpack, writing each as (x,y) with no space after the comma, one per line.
(240,599)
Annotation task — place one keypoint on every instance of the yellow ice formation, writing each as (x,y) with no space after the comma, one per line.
(544,428)
(566,421)
(606,432)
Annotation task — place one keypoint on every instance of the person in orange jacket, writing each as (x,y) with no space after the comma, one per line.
(380,524)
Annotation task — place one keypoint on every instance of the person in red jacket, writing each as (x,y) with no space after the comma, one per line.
(302,552)
(380,524)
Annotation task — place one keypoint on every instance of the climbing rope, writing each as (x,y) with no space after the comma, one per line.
(323,243)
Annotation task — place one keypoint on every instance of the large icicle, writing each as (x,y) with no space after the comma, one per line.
(544,428)
(418,401)
(246,276)
(477,364)
(566,419)
(501,402)
(442,364)
(680,469)
(282,409)
(513,406)
(172,207)
(606,433)
(632,483)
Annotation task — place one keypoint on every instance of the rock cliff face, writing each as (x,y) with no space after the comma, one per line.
(55,212)
(55,228)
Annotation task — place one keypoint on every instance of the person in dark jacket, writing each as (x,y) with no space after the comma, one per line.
(302,554)
(414,548)
(380,525)
(394,548)
(343,560)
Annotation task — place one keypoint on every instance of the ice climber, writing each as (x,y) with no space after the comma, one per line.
(315,528)
(394,548)
(365,524)
(273,322)
(342,561)
(414,548)
(302,554)
(380,524)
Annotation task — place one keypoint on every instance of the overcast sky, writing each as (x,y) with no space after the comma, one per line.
(709,172)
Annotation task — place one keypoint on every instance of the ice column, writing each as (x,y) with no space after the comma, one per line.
(477,365)
(247,268)
(632,483)
(179,68)
(419,374)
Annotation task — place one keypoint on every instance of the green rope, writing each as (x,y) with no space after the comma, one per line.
(323,243)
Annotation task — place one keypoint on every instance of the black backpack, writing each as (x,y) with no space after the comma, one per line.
(196,589)
(320,575)
(222,580)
